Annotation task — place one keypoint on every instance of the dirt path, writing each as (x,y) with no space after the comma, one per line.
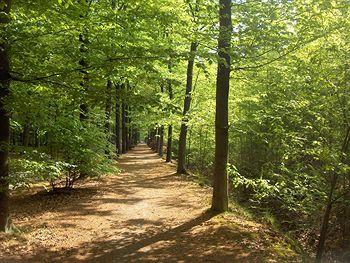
(145,214)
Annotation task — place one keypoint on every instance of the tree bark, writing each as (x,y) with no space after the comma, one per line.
(181,165)
(108,112)
(220,189)
(325,221)
(84,41)
(118,145)
(25,135)
(5,79)
(161,141)
(157,140)
(130,130)
(169,144)
(161,133)
(84,83)
(124,130)
(327,213)
(170,127)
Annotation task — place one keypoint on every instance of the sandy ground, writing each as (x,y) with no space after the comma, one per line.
(147,213)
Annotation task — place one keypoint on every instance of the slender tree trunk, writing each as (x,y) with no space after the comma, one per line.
(128,135)
(5,79)
(325,221)
(169,144)
(327,213)
(118,145)
(161,141)
(108,112)
(170,127)
(130,130)
(181,165)
(157,140)
(220,189)
(161,133)
(124,130)
(84,41)
(37,142)
(25,136)
(84,83)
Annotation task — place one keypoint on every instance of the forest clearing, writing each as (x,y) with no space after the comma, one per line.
(174,131)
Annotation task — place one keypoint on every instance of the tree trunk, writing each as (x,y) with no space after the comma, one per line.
(161,141)
(170,127)
(130,142)
(181,165)
(157,139)
(84,83)
(25,135)
(84,41)
(118,145)
(220,190)
(5,79)
(169,144)
(327,213)
(124,129)
(108,111)
(325,221)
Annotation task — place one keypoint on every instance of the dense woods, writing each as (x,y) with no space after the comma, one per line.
(249,97)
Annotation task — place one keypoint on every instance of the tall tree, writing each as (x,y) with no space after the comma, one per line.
(220,189)
(84,41)
(181,165)
(108,112)
(161,132)
(84,83)
(118,145)
(124,124)
(4,120)
(170,127)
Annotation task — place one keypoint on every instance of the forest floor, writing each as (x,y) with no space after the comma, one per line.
(147,213)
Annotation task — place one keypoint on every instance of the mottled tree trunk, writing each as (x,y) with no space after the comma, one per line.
(181,165)
(4,123)
(220,189)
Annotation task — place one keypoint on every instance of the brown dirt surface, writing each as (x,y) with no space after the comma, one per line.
(147,213)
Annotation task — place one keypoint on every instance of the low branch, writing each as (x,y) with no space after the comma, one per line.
(62,73)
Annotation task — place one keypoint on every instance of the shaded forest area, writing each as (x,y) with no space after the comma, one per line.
(249,97)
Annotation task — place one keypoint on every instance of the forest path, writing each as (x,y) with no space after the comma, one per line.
(147,213)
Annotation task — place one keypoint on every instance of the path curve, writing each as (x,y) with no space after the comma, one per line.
(147,213)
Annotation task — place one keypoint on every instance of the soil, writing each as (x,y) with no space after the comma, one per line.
(147,213)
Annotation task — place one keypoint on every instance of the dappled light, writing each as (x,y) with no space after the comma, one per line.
(174,131)
(146,213)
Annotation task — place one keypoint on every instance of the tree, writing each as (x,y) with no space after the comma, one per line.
(220,187)
(181,165)
(108,114)
(118,143)
(170,126)
(5,79)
